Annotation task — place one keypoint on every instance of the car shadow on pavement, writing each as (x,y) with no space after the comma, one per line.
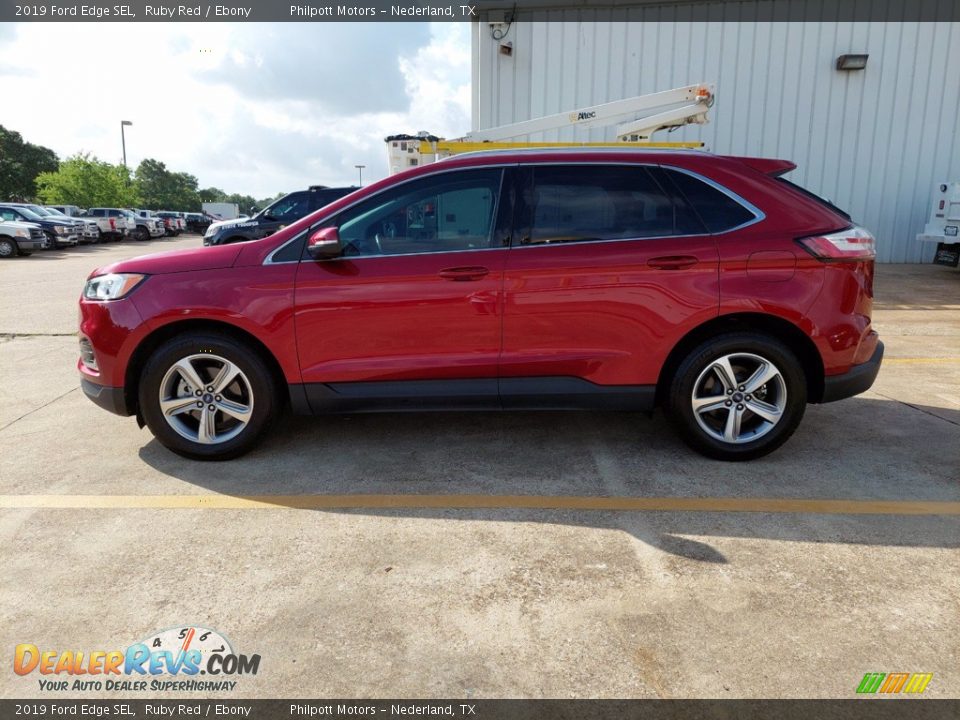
(860,449)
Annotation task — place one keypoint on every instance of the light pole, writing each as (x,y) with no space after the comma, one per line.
(123,140)
(360,169)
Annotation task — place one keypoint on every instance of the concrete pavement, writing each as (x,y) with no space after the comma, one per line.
(494,602)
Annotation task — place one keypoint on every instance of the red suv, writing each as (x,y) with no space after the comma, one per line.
(538,279)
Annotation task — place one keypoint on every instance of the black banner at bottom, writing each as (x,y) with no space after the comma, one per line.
(874,708)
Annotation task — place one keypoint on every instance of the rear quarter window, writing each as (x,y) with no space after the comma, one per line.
(718,211)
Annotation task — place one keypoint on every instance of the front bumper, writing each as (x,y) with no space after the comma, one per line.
(109,398)
(855,381)
(30,244)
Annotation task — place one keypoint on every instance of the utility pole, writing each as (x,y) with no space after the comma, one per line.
(123,140)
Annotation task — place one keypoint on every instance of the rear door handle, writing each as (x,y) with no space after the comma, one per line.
(462,274)
(672,262)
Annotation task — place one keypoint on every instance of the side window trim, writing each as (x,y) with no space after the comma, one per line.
(758,214)
(525,175)
(337,218)
(327,218)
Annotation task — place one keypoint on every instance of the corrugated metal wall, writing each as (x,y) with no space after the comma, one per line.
(873,141)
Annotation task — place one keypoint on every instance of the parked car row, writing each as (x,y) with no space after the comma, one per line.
(27,227)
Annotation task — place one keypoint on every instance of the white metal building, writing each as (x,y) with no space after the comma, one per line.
(874,141)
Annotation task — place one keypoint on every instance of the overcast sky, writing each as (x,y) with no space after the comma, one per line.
(250,108)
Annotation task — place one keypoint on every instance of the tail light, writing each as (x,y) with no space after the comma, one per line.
(113,224)
(854,243)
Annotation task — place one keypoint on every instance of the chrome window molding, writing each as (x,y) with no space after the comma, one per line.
(758,214)
(270,261)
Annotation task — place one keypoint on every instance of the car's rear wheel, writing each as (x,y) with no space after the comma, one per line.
(738,396)
(207,396)
(142,233)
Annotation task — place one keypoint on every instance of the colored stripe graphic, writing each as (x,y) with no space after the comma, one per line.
(918,682)
(871,682)
(891,683)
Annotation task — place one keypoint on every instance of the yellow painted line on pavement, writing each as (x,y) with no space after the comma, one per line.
(918,360)
(465,502)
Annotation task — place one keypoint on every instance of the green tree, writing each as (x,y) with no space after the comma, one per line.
(211,194)
(161,189)
(20,163)
(88,182)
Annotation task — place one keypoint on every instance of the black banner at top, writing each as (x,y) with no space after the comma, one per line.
(486,11)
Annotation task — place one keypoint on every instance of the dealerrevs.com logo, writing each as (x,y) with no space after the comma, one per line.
(169,660)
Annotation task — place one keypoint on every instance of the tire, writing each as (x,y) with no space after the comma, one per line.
(51,243)
(714,430)
(8,248)
(142,233)
(253,391)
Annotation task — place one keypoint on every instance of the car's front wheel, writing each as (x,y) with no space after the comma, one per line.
(738,396)
(207,396)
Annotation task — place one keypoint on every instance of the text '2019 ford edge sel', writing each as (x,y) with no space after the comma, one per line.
(587,279)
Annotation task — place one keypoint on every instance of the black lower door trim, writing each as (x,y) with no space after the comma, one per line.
(570,393)
(533,393)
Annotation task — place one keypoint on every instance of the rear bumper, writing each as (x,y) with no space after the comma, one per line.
(109,398)
(855,381)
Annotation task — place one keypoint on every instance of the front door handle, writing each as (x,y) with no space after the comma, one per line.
(462,274)
(672,262)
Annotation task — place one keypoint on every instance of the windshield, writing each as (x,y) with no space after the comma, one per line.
(28,213)
(41,211)
(55,213)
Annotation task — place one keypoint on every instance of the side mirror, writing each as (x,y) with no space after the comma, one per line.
(324,244)
(253,210)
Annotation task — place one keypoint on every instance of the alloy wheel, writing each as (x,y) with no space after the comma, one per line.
(739,397)
(206,398)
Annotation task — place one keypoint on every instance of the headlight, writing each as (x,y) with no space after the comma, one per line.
(21,232)
(210,231)
(60,229)
(111,287)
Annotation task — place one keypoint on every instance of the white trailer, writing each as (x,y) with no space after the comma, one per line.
(223,211)
(636,119)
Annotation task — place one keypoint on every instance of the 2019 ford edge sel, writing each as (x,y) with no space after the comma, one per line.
(587,279)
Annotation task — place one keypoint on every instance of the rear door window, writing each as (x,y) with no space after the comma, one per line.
(718,211)
(589,203)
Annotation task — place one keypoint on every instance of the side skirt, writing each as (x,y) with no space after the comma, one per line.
(533,393)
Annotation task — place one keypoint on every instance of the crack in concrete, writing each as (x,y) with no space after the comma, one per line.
(915,407)
(14,336)
(41,407)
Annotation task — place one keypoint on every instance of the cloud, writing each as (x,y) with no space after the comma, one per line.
(192,108)
(348,68)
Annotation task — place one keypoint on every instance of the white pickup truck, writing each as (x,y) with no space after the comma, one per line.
(20,238)
(124,222)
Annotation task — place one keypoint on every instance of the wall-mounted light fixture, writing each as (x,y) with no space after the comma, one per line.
(852,61)
(506,48)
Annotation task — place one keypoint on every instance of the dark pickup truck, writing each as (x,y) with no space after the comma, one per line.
(275,216)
